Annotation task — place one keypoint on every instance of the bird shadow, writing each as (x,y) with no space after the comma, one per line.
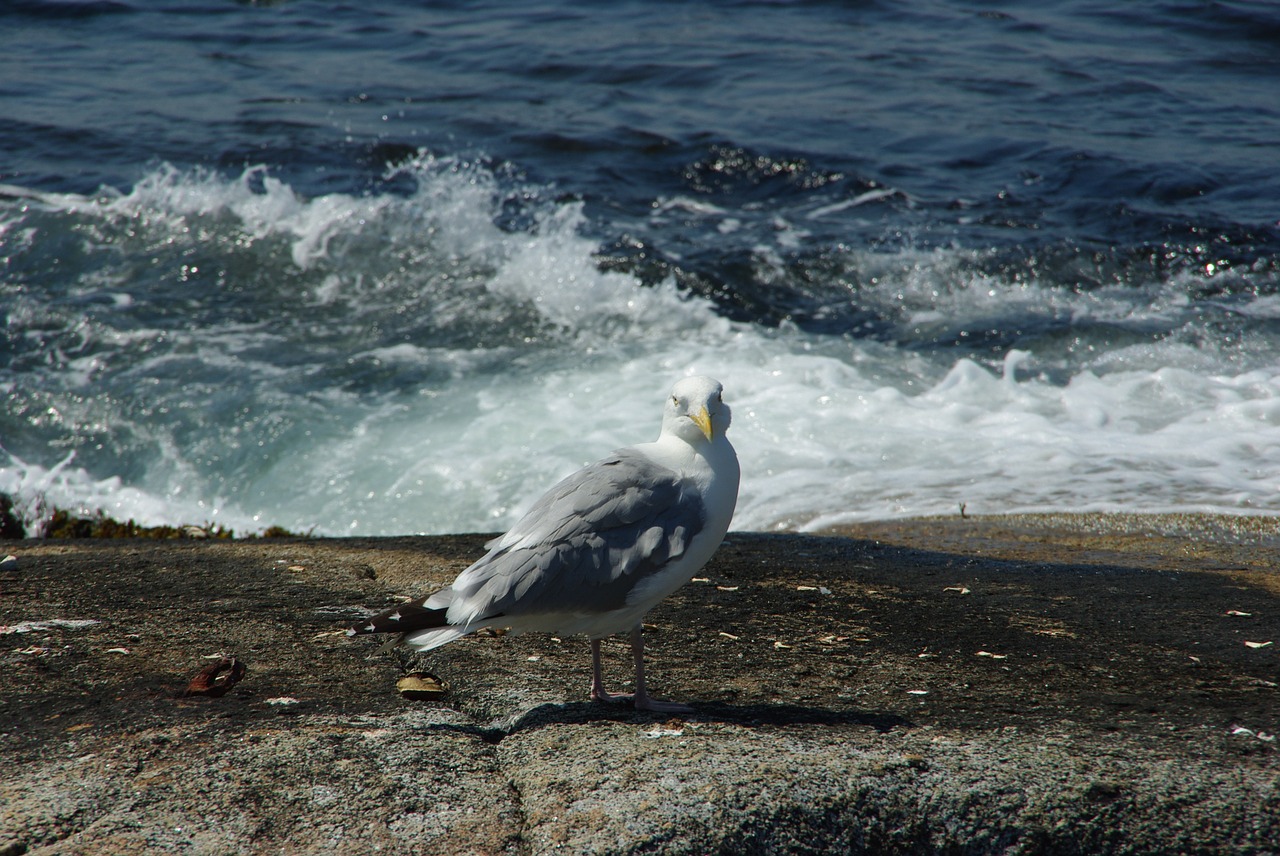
(761,716)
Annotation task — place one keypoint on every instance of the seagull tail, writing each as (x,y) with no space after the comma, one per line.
(425,640)
(422,624)
(428,613)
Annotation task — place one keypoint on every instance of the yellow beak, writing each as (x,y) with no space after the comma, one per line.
(703,420)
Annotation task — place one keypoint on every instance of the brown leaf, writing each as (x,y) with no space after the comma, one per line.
(422,686)
(216,678)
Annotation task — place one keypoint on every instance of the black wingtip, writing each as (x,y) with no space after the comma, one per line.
(405,618)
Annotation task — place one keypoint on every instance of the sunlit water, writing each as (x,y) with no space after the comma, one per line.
(937,258)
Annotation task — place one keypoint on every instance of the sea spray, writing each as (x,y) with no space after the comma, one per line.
(432,354)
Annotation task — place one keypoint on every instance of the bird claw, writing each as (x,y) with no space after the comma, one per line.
(608,698)
(660,706)
(642,702)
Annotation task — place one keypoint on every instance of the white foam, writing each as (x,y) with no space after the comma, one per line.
(829,429)
(861,199)
(822,442)
(38,490)
(1126,441)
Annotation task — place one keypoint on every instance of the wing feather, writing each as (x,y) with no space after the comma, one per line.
(585,544)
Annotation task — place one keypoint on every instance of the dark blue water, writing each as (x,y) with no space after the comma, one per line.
(238,237)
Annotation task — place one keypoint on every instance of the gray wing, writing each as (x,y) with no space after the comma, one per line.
(585,544)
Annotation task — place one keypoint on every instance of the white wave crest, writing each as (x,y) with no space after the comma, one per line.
(409,361)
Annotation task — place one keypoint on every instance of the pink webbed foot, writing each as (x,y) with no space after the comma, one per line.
(645,702)
(658,705)
(641,698)
(598,694)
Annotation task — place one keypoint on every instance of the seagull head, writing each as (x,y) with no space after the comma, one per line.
(696,410)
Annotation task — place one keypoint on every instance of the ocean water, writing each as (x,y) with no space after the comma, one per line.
(383,269)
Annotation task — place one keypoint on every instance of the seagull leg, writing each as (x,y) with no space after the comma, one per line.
(641,697)
(597,677)
(643,701)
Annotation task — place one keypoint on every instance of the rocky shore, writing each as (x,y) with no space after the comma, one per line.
(1060,684)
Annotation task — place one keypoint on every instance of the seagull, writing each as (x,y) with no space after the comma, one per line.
(601,548)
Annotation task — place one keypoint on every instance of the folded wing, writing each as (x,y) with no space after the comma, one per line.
(584,546)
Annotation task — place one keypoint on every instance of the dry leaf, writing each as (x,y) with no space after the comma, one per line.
(422,686)
(216,678)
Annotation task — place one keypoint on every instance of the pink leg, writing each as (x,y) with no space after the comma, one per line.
(597,677)
(643,700)
(641,697)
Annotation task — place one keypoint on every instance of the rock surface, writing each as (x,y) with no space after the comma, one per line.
(980,685)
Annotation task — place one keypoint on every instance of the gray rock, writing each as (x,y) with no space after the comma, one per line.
(853,696)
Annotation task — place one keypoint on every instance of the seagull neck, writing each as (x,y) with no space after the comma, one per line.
(673,450)
(691,455)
